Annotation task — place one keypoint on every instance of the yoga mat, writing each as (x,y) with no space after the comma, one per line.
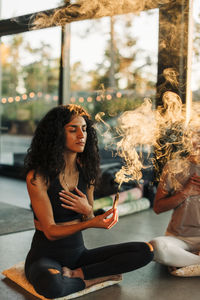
(14,219)
(134,206)
(126,196)
(16,274)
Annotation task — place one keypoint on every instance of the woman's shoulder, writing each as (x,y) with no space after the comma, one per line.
(30,175)
(35,178)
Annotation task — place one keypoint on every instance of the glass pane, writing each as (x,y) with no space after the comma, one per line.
(195,80)
(12,8)
(30,79)
(113,64)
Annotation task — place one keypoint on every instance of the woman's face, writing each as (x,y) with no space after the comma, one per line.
(76,134)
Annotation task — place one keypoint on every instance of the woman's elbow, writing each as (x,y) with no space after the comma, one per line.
(51,238)
(50,234)
(157,205)
(157,209)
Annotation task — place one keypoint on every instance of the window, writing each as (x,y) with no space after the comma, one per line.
(113,63)
(195,80)
(30,78)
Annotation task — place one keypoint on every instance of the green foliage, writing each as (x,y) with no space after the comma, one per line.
(41,75)
(116,106)
(28,112)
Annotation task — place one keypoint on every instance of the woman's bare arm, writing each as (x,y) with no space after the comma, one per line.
(164,202)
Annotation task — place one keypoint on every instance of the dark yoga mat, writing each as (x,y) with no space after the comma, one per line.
(14,219)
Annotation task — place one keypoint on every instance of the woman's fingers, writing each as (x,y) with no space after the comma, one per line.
(195,182)
(79,192)
(68,206)
(108,212)
(74,202)
(115,215)
(68,200)
(103,221)
(68,194)
(72,197)
(110,222)
(195,177)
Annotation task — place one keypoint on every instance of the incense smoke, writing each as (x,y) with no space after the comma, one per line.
(86,9)
(162,131)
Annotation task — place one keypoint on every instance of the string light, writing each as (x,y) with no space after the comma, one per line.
(39,94)
(98,98)
(81,99)
(89,99)
(47,96)
(32,95)
(10,99)
(119,95)
(55,98)
(108,97)
(72,100)
(17,98)
(3,100)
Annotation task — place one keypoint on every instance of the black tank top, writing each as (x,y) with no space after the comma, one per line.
(60,213)
(41,246)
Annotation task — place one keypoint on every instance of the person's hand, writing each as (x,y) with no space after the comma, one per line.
(102,221)
(78,203)
(192,187)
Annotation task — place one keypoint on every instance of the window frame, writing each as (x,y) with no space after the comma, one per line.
(22,24)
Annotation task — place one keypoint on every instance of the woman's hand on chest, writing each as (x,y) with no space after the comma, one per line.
(78,203)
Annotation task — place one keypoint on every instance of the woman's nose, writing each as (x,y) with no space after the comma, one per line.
(80,133)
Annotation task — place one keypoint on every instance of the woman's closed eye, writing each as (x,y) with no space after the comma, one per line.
(84,129)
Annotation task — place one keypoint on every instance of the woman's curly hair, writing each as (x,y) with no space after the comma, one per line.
(46,153)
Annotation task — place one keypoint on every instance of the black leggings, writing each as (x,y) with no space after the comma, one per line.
(99,262)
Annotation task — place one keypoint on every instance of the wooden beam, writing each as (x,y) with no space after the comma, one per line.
(20,24)
(173,49)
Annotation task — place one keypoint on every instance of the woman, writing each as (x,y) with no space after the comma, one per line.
(62,167)
(179,189)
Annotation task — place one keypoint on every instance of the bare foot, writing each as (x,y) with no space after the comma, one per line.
(196,252)
(172,269)
(67,272)
(102,279)
(78,273)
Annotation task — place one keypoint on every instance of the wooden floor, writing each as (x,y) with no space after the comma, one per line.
(151,282)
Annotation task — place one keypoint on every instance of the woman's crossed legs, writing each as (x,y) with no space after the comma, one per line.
(174,252)
(52,280)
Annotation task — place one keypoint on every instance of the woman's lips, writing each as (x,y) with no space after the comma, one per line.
(81,143)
